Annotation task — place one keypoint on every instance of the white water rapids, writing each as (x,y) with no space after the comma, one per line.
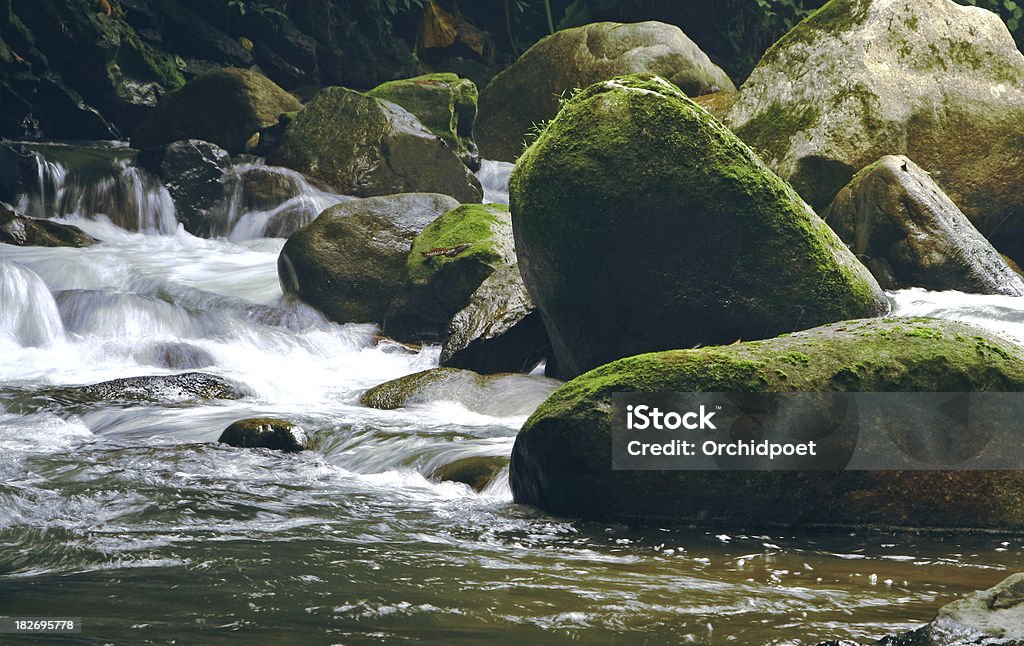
(133,518)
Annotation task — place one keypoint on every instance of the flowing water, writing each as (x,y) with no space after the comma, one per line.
(135,519)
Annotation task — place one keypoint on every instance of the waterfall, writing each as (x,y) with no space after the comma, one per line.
(493,176)
(28,313)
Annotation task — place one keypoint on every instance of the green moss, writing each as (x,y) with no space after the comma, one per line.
(924,332)
(469,224)
(837,16)
(796,358)
(774,127)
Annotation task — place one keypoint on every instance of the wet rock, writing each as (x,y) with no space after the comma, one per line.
(184,388)
(463,288)
(902,226)
(496,395)
(193,172)
(265,433)
(476,471)
(363,146)
(226,107)
(350,262)
(444,103)
(641,224)
(176,356)
(529,92)
(23,231)
(938,82)
(18,170)
(562,457)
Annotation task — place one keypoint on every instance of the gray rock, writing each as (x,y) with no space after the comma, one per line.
(902,226)
(265,433)
(350,262)
(193,172)
(363,146)
(528,93)
(931,79)
(23,231)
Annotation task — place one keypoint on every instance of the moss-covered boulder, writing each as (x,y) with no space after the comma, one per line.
(193,172)
(562,459)
(641,223)
(265,433)
(902,226)
(226,107)
(365,147)
(444,103)
(350,262)
(22,231)
(497,395)
(529,92)
(936,81)
(463,289)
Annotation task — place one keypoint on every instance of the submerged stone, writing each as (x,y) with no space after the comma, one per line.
(477,472)
(562,459)
(936,81)
(265,433)
(642,223)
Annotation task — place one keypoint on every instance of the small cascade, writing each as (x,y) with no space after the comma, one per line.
(272,202)
(28,313)
(96,186)
(493,176)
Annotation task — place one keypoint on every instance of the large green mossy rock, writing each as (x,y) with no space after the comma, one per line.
(910,234)
(463,289)
(226,107)
(642,223)
(528,93)
(363,146)
(859,79)
(349,263)
(562,459)
(445,103)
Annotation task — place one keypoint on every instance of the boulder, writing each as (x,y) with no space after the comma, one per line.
(902,226)
(226,107)
(477,471)
(365,147)
(530,91)
(642,223)
(496,395)
(562,458)
(187,387)
(444,103)
(463,288)
(193,173)
(938,82)
(265,433)
(350,262)
(994,617)
(22,231)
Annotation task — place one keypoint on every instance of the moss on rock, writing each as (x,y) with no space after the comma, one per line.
(642,223)
(562,456)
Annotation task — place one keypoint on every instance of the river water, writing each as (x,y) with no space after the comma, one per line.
(133,518)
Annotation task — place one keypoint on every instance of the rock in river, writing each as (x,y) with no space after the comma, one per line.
(936,81)
(529,91)
(21,230)
(909,234)
(225,107)
(265,433)
(642,223)
(350,262)
(562,459)
(463,288)
(363,146)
